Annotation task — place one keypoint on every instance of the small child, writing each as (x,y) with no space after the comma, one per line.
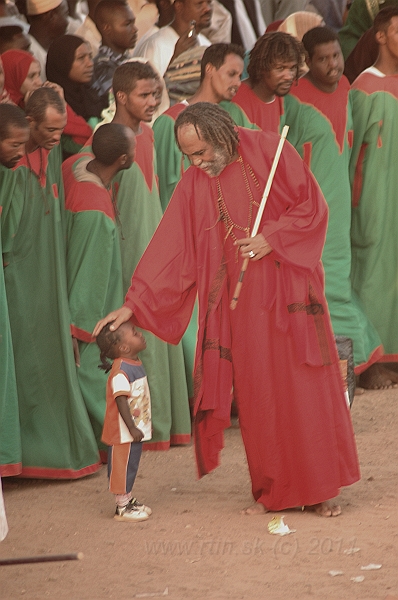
(128,415)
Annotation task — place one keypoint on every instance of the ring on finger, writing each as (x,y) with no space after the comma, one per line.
(252,254)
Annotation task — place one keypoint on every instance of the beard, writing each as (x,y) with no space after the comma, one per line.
(217,165)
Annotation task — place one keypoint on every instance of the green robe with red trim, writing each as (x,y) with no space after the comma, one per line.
(321,131)
(139,213)
(10,436)
(374,176)
(56,433)
(94,275)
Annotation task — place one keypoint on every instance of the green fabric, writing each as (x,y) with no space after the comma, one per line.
(10,437)
(374,220)
(140,213)
(57,437)
(94,275)
(331,169)
(360,19)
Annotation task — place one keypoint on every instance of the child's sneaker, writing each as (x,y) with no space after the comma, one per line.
(134,502)
(130,513)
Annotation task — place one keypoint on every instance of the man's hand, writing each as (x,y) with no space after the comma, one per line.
(56,87)
(121,315)
(187,40)
(254,248)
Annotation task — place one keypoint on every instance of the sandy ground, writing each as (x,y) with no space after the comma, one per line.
(196,545)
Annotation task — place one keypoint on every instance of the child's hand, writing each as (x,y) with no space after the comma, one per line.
(136,434)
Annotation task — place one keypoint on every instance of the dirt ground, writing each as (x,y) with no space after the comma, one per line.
(196,545)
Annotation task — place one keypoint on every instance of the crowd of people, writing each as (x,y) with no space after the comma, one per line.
(113,113)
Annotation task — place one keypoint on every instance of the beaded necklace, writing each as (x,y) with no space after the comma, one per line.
(230,225)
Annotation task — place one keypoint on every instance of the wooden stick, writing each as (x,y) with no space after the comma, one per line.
(260,211)
(40,559)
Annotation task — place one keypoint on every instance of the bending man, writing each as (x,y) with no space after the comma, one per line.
(277,347)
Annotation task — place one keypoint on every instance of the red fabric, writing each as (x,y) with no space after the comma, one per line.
(294,420)
(84,195)
(327,104)
(144,153)
(266,115)
(79,130)
(16,65)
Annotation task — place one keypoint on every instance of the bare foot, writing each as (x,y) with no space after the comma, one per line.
(359,391)
(377,377)
(326,509)
(255,509)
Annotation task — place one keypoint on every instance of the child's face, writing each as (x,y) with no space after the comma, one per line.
(132,341)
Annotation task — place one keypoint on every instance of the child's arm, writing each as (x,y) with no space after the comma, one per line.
(124,409)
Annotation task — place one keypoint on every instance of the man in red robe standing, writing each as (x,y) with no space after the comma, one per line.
(276,348)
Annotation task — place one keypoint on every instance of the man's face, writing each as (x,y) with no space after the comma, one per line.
(47,134)
(58,21)
(12,148)
(390,38)
(122,29)
(197,10)
(202,154)
(225,81)
(280,79)
(141,102)
(327,63)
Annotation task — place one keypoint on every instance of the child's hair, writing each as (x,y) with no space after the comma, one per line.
(107,340)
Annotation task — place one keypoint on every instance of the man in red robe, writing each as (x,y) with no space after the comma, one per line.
(276,348)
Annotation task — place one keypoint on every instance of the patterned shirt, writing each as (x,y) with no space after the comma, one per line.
(105,64)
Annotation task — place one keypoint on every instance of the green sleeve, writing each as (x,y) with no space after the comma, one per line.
(238,115)
(169,159)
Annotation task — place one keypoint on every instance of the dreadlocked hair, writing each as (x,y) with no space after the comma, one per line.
(212,124)
(107,341)
(271,49)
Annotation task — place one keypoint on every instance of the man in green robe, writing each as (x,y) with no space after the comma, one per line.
(14,133)
(319,115)
(135,88)
(93,261)
(56,433)
(374,176)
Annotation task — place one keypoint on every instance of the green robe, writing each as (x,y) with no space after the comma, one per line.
(94,276)
(374,176)
(359,19)
(10,436)
(57,437)
(321,131)
(140,213)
